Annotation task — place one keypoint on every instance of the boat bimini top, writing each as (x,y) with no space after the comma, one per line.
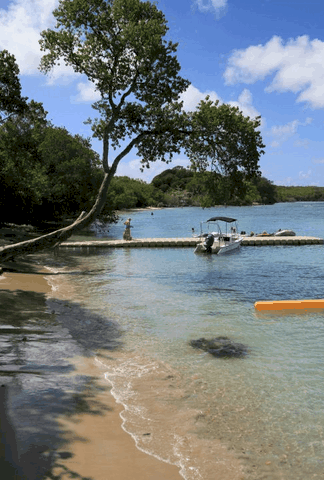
(223,219)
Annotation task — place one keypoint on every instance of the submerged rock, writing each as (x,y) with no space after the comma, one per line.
(220,347)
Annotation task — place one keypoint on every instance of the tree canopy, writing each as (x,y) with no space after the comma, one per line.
(45,172)
(22,173)
(11,101)
(120,46)
(224,140)
(72,170)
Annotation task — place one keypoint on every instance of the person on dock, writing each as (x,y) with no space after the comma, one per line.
(127,232)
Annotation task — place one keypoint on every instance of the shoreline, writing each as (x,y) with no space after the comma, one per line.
(95,449)
(92,449)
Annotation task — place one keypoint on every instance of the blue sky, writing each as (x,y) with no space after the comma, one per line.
(265,56)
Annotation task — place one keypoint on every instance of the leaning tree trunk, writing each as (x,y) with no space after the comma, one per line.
(52,239)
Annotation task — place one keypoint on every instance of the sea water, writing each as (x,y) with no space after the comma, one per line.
(261,416)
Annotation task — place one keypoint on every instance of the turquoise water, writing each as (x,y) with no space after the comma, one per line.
(267,409)
(305,218)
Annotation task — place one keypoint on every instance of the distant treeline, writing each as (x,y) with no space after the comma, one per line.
(186,187)
(183,186)
(298,194)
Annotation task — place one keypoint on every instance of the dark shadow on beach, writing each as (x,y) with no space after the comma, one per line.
(37,339)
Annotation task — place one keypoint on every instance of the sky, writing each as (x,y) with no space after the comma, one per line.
(264,56)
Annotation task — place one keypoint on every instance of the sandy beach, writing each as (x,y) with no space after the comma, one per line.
(95,445)
(99,447)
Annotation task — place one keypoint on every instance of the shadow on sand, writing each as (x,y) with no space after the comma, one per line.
(37,339)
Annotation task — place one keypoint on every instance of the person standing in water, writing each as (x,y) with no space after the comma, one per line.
(127,232)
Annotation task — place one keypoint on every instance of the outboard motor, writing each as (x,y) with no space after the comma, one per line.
(208,243)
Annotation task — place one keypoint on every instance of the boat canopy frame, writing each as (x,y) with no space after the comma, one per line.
(216,219)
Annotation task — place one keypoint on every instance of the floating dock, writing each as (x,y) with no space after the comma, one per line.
(188,242)
(259,241)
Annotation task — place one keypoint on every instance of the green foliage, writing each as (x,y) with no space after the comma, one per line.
(267,191)
(174,178)
(211,188)
(11,101)
(120,46)
(125,193)
(293,194)
(252,195)
(70,165)
(225,141)
(45,172)
(22,174)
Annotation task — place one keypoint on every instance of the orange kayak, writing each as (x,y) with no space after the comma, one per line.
(289,304)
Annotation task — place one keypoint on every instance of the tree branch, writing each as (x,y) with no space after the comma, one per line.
(124,153)
(3,120)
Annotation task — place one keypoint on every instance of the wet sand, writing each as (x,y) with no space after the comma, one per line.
(24,281)
(96,445)
(99,446)
(24,275)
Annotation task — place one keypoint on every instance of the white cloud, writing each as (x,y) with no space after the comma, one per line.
(244,103)
(301,179)
(285,181)
(20,27)
(192,96)
(61,75)
(215,6)
(282,133)
(298,67)
(87,93)
(318,161)
(303,175)
(132,168)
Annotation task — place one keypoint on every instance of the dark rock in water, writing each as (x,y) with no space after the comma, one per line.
(220,347)
(64,455)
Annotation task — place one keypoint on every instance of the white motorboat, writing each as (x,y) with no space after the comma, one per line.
(285,233)
(219,242)
(279,233)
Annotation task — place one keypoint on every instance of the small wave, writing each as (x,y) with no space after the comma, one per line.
(121,397)
(160,421)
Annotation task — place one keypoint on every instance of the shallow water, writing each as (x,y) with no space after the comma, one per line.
(183,405)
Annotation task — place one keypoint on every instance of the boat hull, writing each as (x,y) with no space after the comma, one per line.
(200,248)
(219,247)
(285,233)
(230,247)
